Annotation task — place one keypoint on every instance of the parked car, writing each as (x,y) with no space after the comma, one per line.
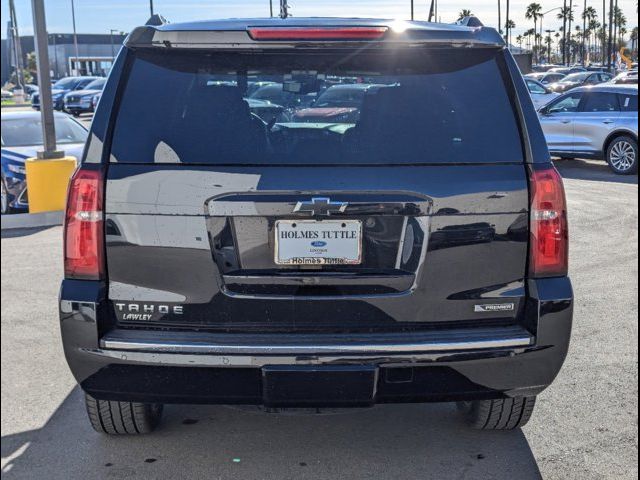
(267,111)
(60,88)
(30,89)
(545,77)
(567,70)
(253,86)
(540,94)
(578,79)
(626,78)
(595,122)
(338,103)
(273,92)
(597,68)
(211,257)
(6,94)
(77,102)
(545,67)
(21,139)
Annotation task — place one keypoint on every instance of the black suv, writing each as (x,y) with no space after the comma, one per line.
(410,247)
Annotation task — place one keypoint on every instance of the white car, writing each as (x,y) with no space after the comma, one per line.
(540,94)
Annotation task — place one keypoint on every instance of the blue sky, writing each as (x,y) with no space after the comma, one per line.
(100,16)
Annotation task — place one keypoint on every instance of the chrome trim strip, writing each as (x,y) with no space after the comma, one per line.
(372,349)
(403,232)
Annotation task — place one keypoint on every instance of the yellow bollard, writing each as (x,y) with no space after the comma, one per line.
(47,182)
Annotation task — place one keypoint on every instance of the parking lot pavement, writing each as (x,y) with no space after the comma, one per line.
(584,426)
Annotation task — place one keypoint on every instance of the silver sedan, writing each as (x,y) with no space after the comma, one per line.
(595,122)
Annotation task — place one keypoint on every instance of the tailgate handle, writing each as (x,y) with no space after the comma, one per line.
(302,204)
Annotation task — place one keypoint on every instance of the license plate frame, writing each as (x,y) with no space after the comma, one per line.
(316,256)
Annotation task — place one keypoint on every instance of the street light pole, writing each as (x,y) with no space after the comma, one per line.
(584,36)
(113,53)
(75,35)
(564,33)
(542,18)
(44,82)
(151,7)
(616,28)
(17,48)
(604,29)
(507,26)
(610,44)
(569,19)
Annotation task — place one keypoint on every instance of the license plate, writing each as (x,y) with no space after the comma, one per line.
(325,242)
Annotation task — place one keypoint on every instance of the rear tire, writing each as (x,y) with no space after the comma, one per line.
(501,414)
(622,155)
(122,418)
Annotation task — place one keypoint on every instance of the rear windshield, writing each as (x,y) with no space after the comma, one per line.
(96,84)
(418,106)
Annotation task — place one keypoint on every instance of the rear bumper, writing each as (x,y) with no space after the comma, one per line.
(316,370)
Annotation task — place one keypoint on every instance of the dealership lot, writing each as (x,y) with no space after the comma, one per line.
(585,425)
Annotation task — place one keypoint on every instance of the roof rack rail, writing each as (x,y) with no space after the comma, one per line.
(470,21)
(156,20)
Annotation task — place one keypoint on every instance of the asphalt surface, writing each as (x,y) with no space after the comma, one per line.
(585,425)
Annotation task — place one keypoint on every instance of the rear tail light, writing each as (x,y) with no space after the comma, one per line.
(316,33)
(83,228)
(549,248)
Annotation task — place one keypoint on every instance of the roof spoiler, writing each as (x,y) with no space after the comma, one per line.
(156,20)
(470,21)
(237,34)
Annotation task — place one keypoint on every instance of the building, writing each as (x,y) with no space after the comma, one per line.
(94,56)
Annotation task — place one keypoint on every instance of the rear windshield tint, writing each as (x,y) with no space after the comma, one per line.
(418,106)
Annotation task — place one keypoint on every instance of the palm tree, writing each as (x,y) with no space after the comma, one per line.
(588,17)
(589,14)
(623,31)
(519,40)
(594,25)
(533,12)
(528,34)
(510,25)
(566,15)
(579,36)
(464,13)
(619,22)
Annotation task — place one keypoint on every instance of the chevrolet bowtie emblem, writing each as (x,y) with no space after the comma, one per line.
(320,206)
